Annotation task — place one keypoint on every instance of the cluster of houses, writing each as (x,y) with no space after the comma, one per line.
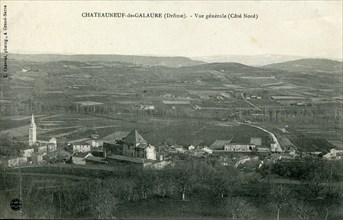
(134,150)
(334,154)
(131,150)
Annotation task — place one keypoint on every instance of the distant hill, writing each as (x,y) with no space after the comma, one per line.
(222,67)
(309,66)
(141,60)
(252,60)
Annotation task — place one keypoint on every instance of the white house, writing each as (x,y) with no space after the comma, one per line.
(239,147)
(190,147)
(81,147)
(53,140)
(95,143)
(208,150)
(150,152)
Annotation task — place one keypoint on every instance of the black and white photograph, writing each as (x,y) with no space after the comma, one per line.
(171,110)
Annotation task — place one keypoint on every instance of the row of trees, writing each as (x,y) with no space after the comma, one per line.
(245,195)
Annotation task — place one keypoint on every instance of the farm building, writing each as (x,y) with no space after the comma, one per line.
(239,147)
(219,144)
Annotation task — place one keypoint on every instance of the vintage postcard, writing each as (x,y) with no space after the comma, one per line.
(171,109)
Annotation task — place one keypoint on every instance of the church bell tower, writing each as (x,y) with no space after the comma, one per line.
(32,132)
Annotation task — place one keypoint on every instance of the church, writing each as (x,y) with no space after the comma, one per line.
(36,150)
(39,146)
(32,132)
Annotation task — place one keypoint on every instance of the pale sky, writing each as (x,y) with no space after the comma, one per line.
(309,28)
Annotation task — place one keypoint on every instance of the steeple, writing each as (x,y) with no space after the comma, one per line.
(32,132)
(32,120)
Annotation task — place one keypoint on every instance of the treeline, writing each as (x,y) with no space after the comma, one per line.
(303,115)
(267,115)
(243,195)
(305,169)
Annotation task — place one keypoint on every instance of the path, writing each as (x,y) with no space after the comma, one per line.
(274,148)
(250,103)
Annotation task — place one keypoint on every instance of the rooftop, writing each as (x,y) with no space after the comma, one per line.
(79,140)
(96,159)
(134,138)
(81,154)
(219,144)
(128,159)
(81,143)
(142,146)
(114,136)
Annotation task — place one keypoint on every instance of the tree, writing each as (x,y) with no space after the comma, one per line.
(318,172)
(144,182)
(331,198)
(224,181)
(103,201)
(279,197)
(239,208)
(304,210)
(125,189)
(182,178)
(163,183)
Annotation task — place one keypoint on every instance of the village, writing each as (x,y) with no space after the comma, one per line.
(134,150)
